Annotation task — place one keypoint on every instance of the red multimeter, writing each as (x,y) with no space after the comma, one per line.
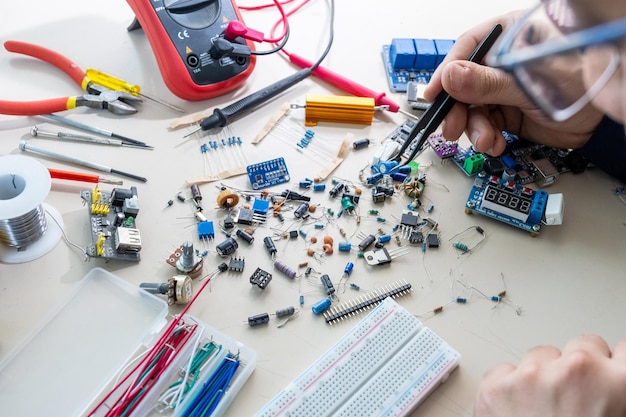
(186,36)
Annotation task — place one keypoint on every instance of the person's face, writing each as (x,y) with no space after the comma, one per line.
(611,99)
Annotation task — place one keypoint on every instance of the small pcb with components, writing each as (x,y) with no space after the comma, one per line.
(268,173)
(415,60)
(114,234)
(509,202)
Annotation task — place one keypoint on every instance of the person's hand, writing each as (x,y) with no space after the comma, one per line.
(586,379)
(494,102)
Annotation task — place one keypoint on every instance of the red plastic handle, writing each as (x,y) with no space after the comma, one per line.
(34,108)
(54,58)
(72,176)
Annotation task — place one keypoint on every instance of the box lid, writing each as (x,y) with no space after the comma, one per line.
(64,364)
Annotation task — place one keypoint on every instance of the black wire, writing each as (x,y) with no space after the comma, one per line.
(331,36)
(278,47)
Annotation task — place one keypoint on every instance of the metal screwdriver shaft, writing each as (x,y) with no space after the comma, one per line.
(69,122)
(36,132)
(24,146)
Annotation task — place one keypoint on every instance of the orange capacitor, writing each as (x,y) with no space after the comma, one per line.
(338,109)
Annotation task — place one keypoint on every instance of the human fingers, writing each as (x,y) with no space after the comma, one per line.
(619,351)
(540,354)
(590,343)
(482,132)
(472,83)
(463,47)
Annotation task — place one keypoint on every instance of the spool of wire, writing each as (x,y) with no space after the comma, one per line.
(29,228)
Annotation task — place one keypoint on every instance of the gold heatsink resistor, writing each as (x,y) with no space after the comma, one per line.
(339,109)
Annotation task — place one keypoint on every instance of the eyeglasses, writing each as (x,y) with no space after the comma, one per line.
(560,73)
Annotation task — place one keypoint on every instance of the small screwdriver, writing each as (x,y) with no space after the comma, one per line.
(117,84)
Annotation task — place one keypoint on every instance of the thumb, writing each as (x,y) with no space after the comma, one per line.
(472,83)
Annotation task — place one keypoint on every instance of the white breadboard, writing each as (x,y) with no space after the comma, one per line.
(385,366)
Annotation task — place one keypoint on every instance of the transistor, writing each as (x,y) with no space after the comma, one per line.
(383,256)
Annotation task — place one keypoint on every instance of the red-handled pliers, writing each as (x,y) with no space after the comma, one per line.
(97,96)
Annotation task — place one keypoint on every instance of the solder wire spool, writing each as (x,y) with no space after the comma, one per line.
(29,228)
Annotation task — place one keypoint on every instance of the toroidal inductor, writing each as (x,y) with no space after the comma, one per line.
(29,228)
(227,199)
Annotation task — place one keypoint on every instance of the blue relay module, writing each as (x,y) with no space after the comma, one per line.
(413,60)
(514,204)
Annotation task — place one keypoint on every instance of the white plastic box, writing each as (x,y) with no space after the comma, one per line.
(64,365)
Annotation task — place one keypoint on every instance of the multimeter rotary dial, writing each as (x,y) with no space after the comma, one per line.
(193,14)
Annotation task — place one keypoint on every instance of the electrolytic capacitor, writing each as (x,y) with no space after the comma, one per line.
(344,246)
(247,237)
(258,319)
(227,247)
(329,288)
(301,210)
(348,268)
(270,246)
(367,242)
(321,306)
(290,273)
(196,195)
(361,143)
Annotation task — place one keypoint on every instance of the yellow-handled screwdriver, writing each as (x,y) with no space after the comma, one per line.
(109,81)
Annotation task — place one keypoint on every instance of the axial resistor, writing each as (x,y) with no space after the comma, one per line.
(301,299)
(355,286)
(285,269)
(285,312)
(461,300)
(460,246)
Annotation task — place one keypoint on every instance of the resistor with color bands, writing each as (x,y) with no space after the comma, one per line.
(285,312)
(285,269)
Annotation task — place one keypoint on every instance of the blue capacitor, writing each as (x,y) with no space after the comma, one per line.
(386,166)
(348,269)
(384,238)
(344,246)
(319,187)
(321,306)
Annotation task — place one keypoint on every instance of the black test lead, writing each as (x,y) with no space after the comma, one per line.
(222,117)
(437,111)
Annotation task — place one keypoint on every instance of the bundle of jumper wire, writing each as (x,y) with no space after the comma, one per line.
(153,367)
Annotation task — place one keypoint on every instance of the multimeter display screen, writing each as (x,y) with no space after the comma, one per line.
(507,199)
